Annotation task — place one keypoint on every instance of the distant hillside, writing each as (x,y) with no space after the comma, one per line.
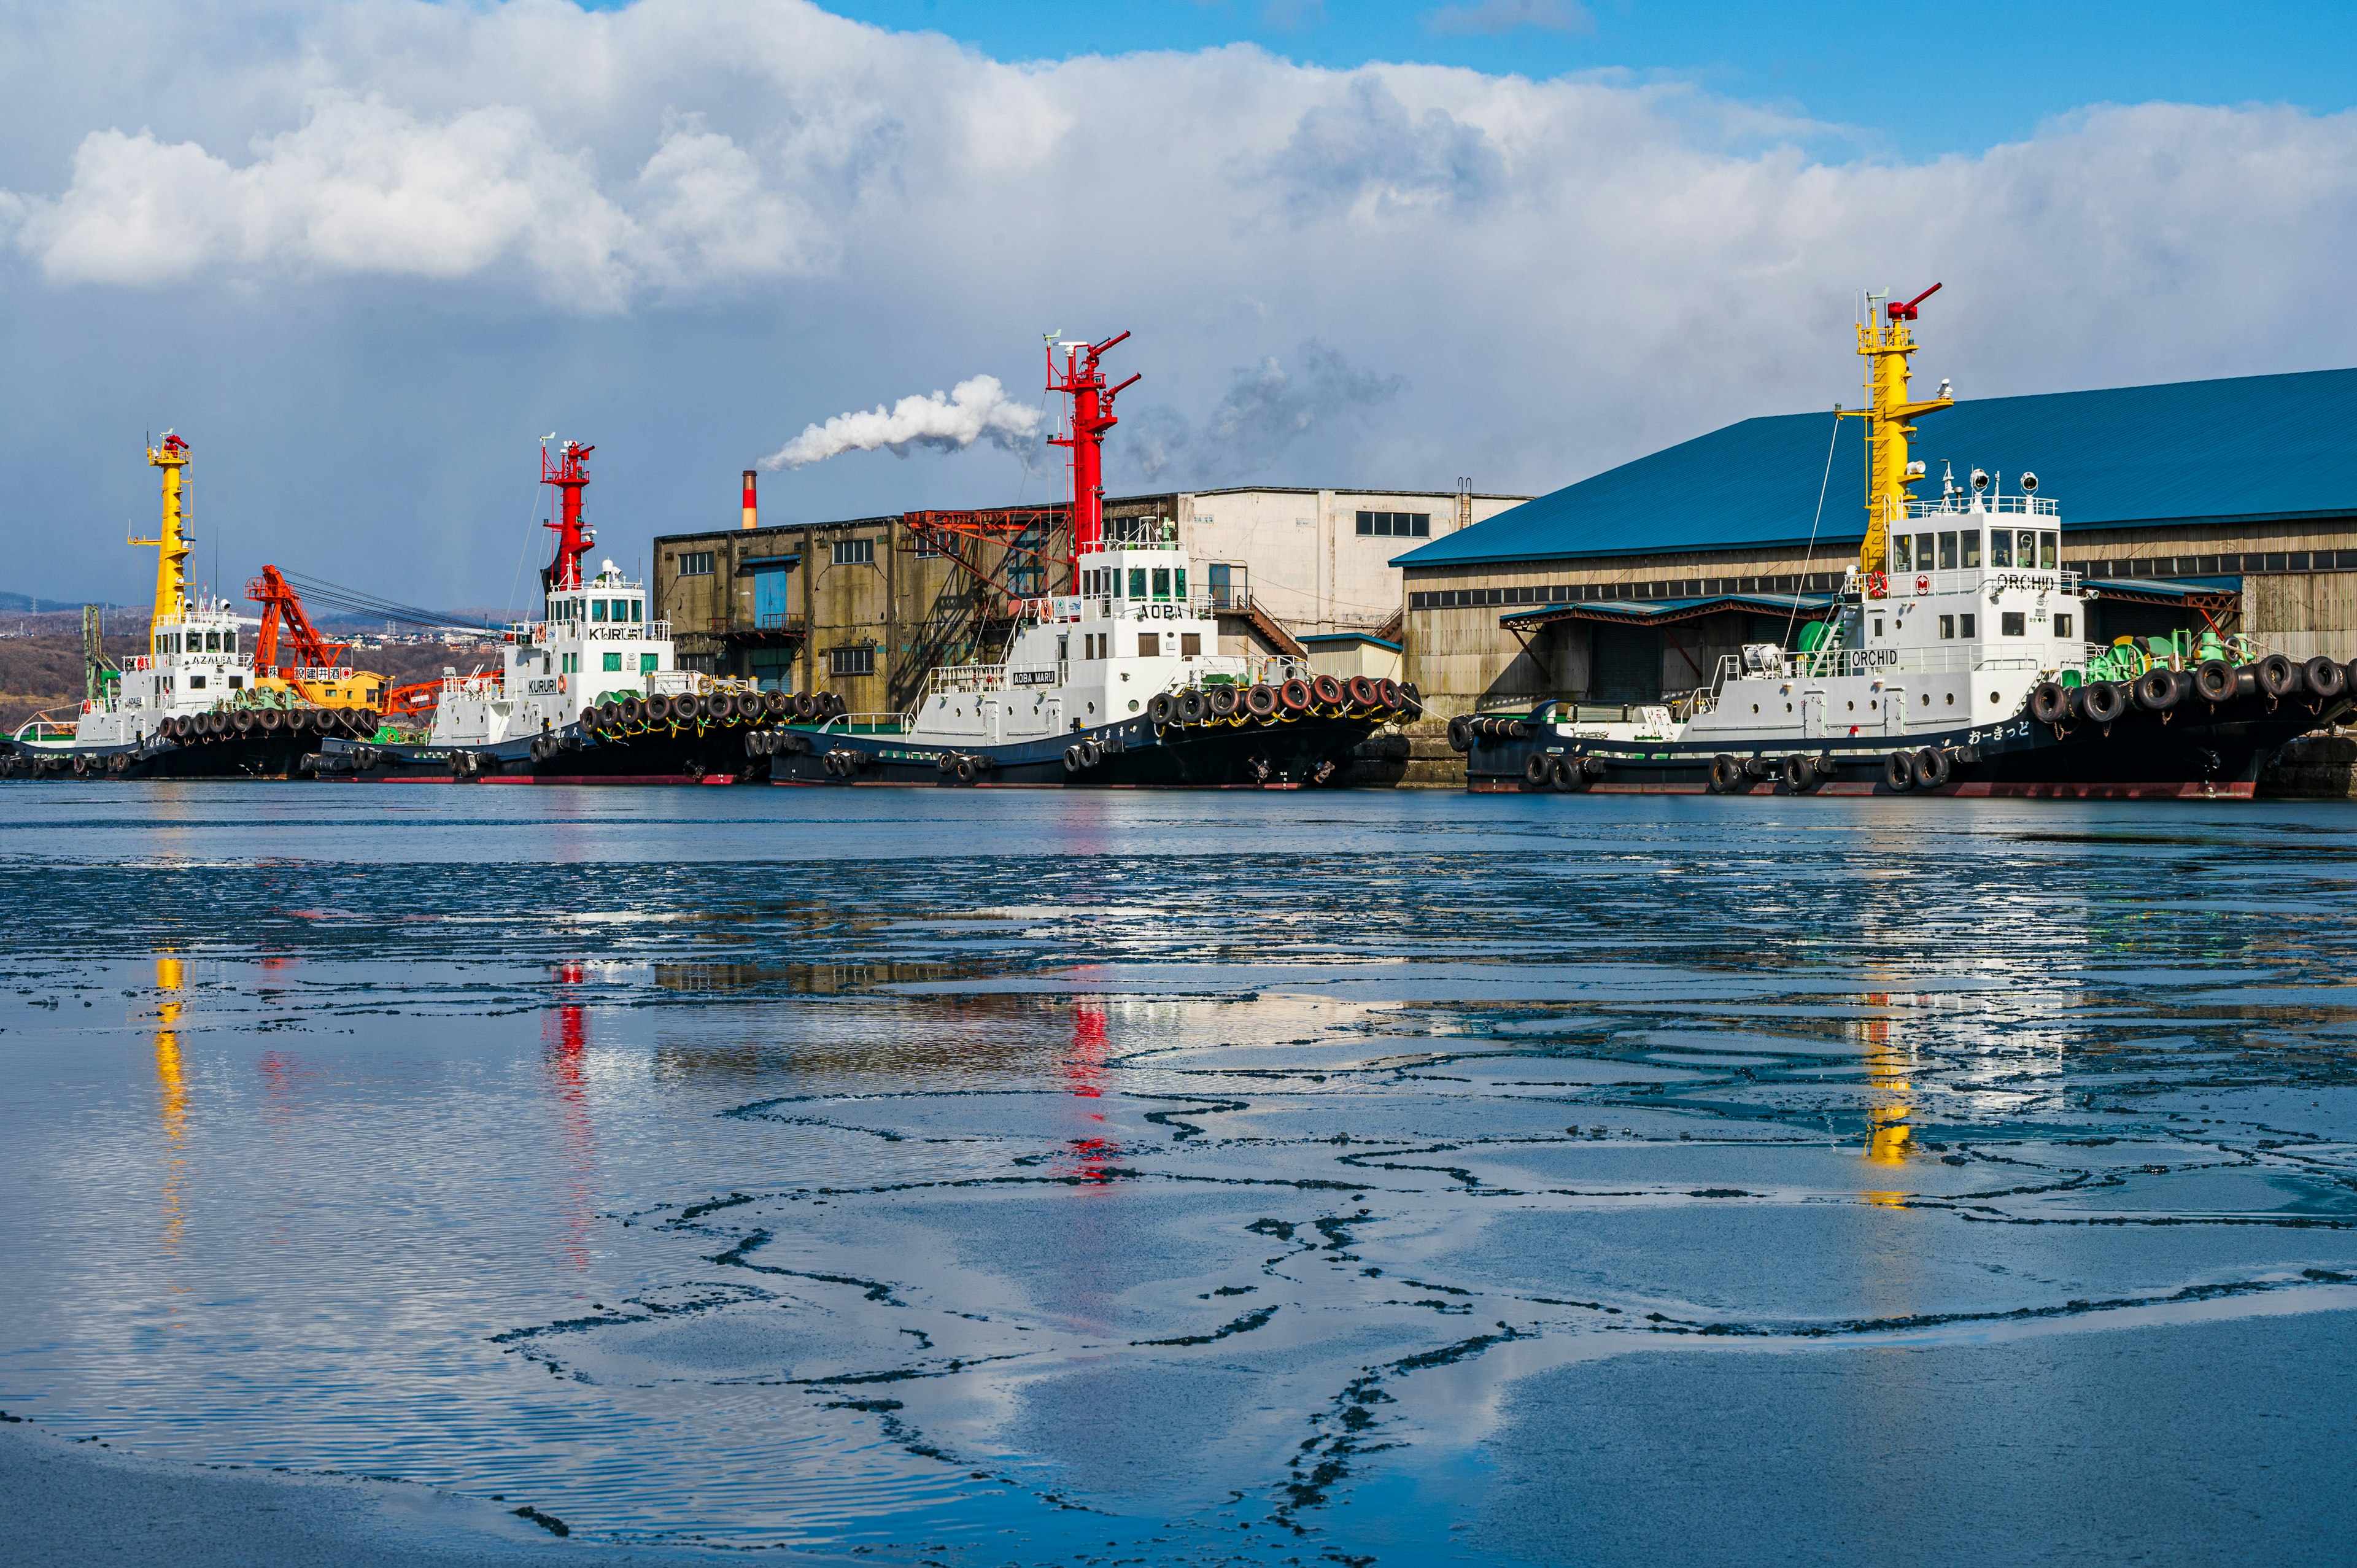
(26,604)
(42,673)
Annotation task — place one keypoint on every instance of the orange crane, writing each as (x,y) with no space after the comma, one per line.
(311,667)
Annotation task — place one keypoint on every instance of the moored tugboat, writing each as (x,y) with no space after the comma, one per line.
(1951,661)
(1116,684)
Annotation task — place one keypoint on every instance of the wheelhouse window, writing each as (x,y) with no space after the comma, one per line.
(1947,552)
(2047,550)
(1923,553)
(1902,553)
(2000,547)
(1971,544)
(2025,548)
(596,609)
(1137,582)
(1162,581)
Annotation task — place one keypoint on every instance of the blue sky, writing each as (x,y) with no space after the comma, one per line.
(363,254)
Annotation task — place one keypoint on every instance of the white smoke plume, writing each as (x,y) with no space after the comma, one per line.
(976,409)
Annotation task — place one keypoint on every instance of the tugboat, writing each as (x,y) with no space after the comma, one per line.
(193,706)
(1949,662)
(589,692)
(1117,684)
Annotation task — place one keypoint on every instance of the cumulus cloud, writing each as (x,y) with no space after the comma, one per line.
(680,213)
(976,410)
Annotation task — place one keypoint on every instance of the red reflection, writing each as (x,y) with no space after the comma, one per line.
(1085,1070)
(564,1041)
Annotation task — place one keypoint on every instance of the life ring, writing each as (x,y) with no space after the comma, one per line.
(1877,585)
(561,687)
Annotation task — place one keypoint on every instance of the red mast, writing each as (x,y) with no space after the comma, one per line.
(570,475)
(1083,382)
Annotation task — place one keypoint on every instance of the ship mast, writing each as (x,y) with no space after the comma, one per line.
(570,475)
(171,541)
(1886,345)
(1083,380)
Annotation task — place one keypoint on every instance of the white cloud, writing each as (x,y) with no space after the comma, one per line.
(731,217)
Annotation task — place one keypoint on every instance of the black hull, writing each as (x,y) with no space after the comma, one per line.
(2196,750)
(274,755)
(1309,751)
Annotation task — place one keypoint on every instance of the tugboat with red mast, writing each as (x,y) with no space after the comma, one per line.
(1118,682)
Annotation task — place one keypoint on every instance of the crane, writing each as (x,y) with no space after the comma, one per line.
(311,667)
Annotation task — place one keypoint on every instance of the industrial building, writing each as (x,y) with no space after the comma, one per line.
(867,607)
(2229,502)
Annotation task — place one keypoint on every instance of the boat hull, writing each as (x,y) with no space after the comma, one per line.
(2197,750)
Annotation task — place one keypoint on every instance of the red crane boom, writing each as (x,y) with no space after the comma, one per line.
(280,602)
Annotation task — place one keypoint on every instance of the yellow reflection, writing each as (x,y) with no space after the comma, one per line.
(1889,1077)
(174,1082)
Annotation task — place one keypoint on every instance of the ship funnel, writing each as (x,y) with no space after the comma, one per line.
(752,502)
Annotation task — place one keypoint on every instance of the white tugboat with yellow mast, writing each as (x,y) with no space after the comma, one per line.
(193,704)
(1953,660)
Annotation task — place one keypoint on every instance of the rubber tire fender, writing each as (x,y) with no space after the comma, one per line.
(243,721)
(1460,734)
(1193,706)
(1072,759)
(2213,680)
(805,706)
(1293,697)
(2324,678)
(1537,770)
(1261,700)
(1222,702)
(1414,698)
(1930,767)
(1569,775)
(2277,676)
(1899,771)
(1363,693)
(945,761)
(1388,694)
(1160,708)
(1727,774)
(1800,774)
(2104,700)
(1327,692)
(658,709)
(2158,691)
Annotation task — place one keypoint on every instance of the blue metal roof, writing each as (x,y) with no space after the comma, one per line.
(1349,637)
(1643,610)
(2253,448)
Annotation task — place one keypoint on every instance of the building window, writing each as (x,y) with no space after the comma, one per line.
(855,552)
(2013,623)
(696,563)
(1149,645)
(613,664)
(852,660)
(1190,643)
(1395,524)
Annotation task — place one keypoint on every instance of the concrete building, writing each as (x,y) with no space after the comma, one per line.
(867,607)
(2233,501)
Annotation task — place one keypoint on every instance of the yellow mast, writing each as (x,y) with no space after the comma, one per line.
(1886,344)
(172,540)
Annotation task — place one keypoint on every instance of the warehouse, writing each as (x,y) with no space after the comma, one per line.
(866,607)
(2180,503)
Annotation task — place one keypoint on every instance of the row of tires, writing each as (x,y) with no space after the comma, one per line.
(2213,680)
(1467,730)
(359,760)
(78,764)
(1558,771)
(230,723)
(609,719)
(1928,767)
(1304,696)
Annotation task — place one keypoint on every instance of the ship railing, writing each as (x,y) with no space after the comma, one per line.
(868,724)
(1961,658)
(42,728)
(1965,506)
(1902,583)
(1198,604)
(963,680)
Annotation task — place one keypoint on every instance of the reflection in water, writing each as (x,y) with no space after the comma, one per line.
(173,1080)
(565,1040)
(1085,1071)
(1889,1069)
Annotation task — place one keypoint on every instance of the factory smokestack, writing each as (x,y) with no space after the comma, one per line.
(752,506)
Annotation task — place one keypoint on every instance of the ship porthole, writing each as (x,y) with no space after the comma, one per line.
(1952,699)
(1994,698)
(1852,706)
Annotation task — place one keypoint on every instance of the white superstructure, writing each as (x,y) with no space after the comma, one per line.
(203,660)
(592,642)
